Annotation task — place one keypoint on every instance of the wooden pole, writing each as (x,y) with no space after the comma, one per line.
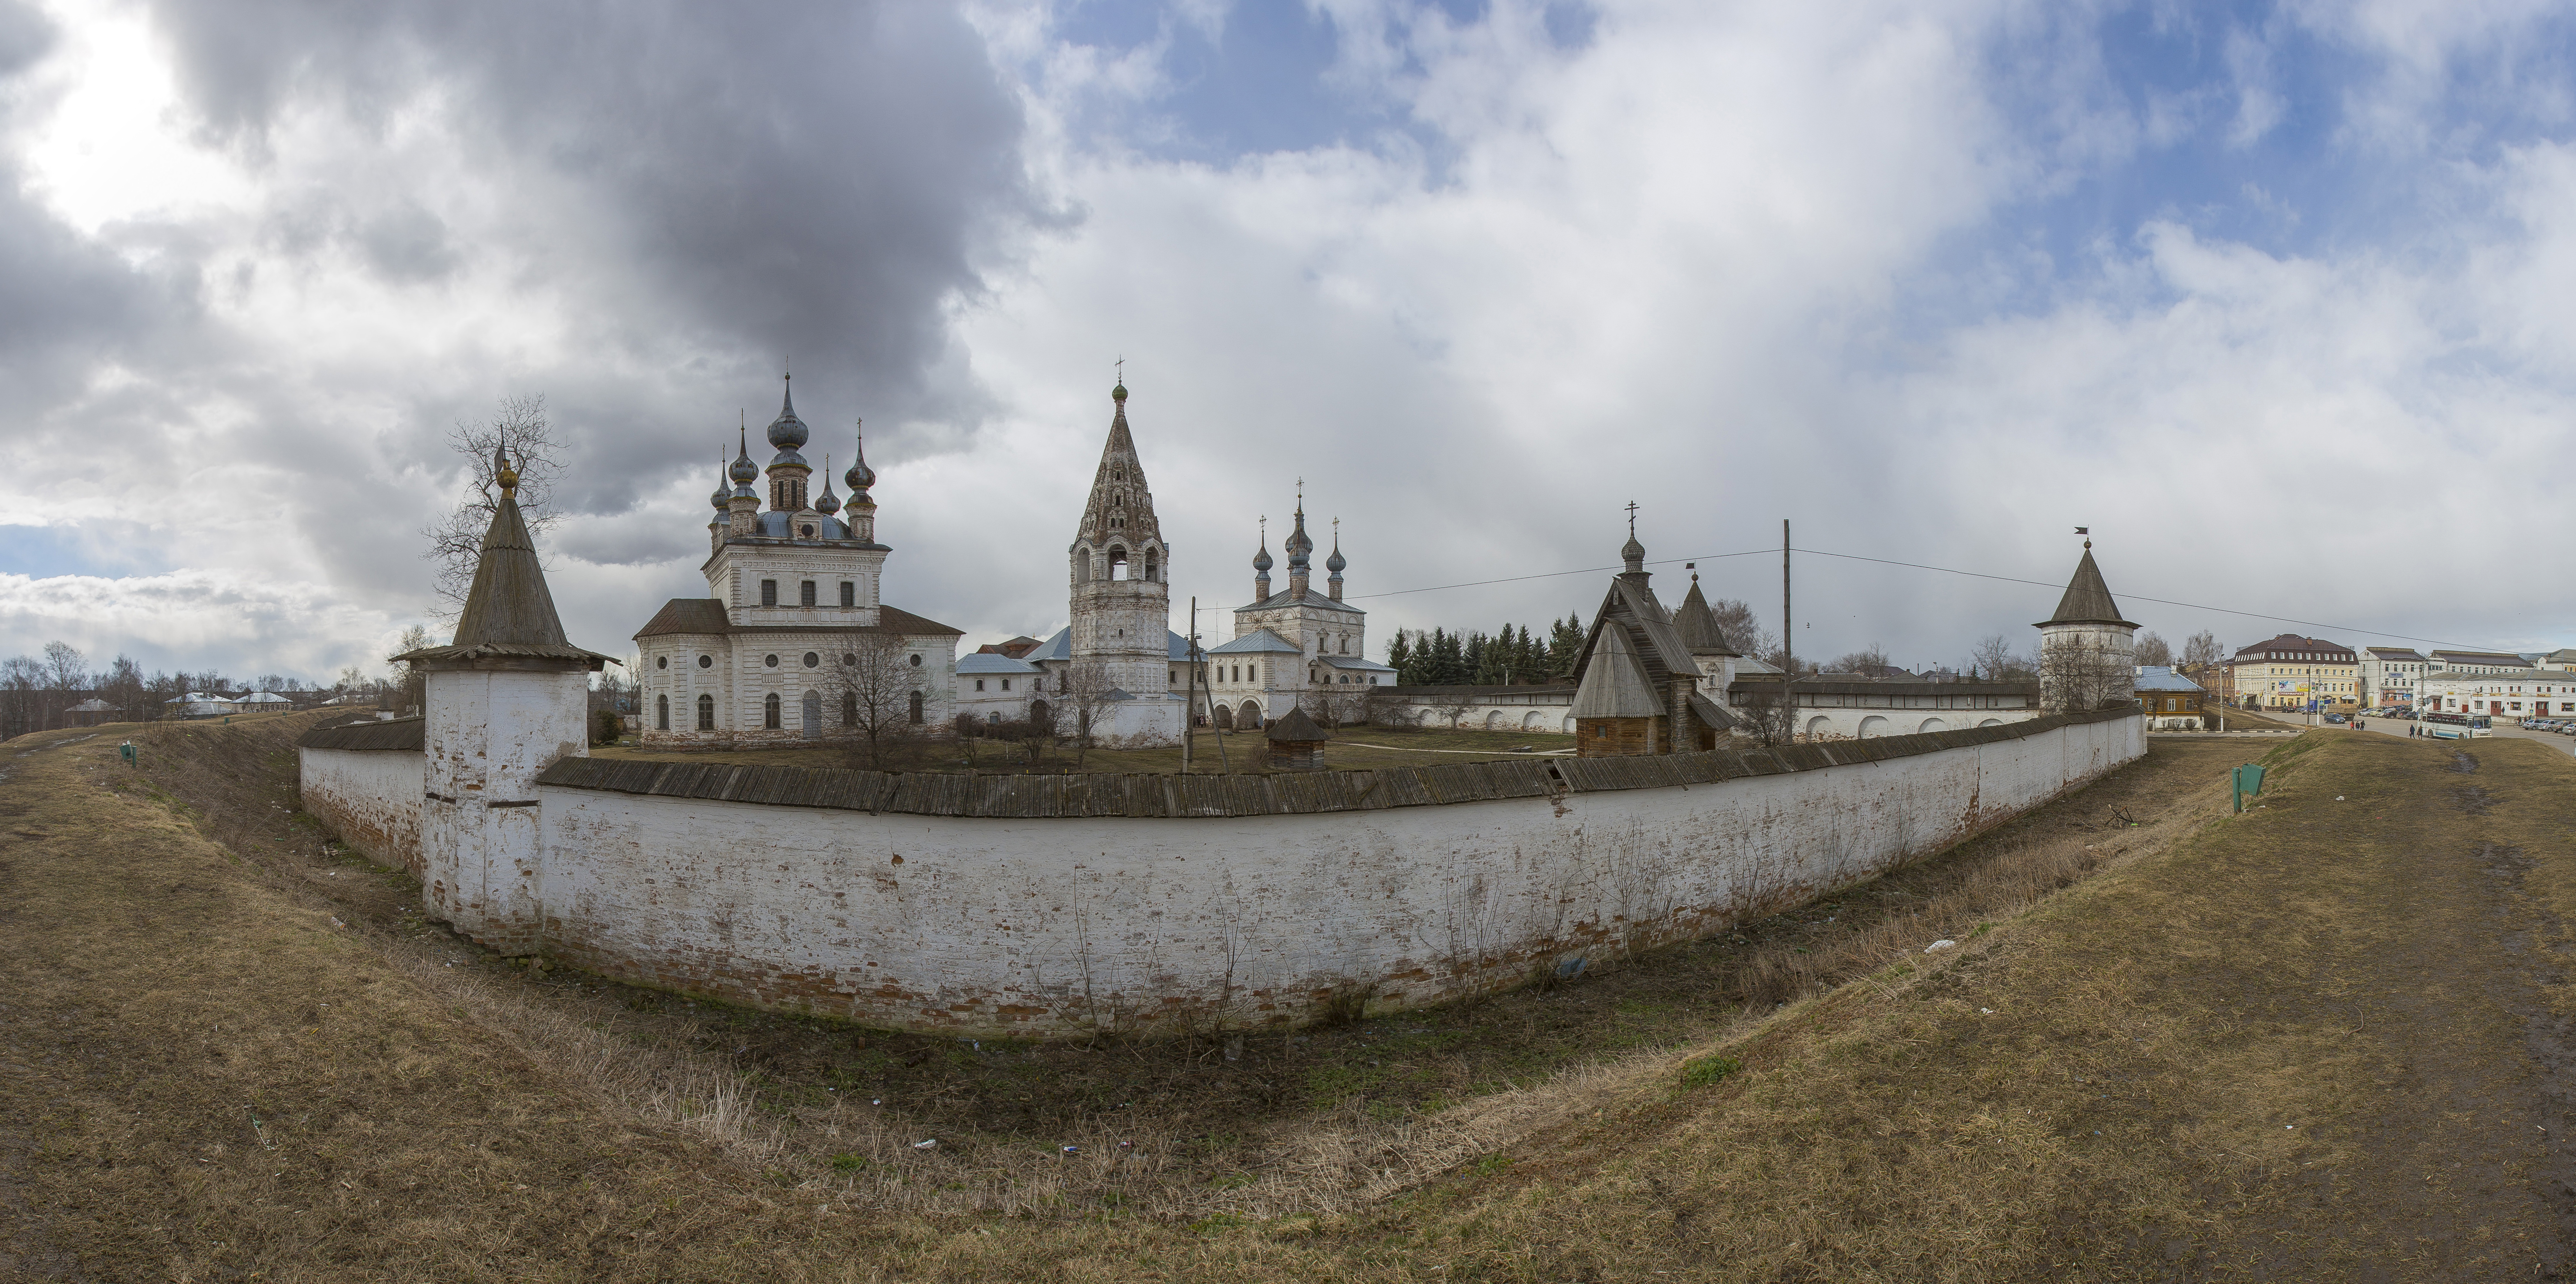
(1190,690)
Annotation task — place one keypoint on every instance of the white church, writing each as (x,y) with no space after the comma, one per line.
(792,606)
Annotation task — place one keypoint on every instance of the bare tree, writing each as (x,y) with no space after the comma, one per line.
(22,684)
(122,685)
(1994,660)
(2154,650)
(456,539)
(1743,629)
(1335,706)
(2079,674)
(411,680)
(1083,705)
(1769,711)
(1869,662)
(874,687)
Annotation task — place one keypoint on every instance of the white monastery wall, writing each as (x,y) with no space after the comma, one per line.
(1065,925)
(370,798)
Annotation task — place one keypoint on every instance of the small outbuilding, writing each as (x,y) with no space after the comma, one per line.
(91,712)
(1296,743)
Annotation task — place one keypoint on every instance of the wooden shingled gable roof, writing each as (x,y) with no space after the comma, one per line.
(1631,607)
(1294,727)
(1614,684)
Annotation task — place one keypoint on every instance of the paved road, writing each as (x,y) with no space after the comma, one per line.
(2400,727)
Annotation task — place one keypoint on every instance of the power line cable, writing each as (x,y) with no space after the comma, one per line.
(1945,570)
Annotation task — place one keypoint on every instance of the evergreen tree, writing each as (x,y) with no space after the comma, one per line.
(1449,663)
(1478,647)
(1399,657)
(1565,641)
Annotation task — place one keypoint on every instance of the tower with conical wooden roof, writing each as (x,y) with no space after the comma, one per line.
(505,698)
(2087,653)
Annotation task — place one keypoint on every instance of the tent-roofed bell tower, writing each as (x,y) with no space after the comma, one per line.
(1121,596)
(506,697)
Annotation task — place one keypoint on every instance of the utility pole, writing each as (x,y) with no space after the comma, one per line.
(1190,689)
(1788,635)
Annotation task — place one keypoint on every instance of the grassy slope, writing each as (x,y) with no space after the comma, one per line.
(2250,1020)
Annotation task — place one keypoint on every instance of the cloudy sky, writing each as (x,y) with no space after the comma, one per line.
(2279,300)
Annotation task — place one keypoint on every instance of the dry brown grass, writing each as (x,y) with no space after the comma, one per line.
(492,1122)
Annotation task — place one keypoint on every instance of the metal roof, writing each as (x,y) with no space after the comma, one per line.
(706,615)
(982,662)
(2157,677)
(1697,625)
(1060,646)
(508,612)
(1258,641)
(1289,597)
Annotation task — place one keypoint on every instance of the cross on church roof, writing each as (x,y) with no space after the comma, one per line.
(1632,519)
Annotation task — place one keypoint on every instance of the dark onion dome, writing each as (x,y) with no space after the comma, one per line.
(1119,393)
(789,459)
(1301,547)
(1261,560)
(1336,562)
(723,492)
(827,503)
(1633,553)
(787,432)
(744,472)
(860,476)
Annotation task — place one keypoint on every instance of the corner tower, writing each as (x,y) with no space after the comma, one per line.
(2086,651)
(1120,576)
(506,698)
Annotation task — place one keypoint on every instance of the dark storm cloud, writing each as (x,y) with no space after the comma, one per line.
(802,183)
(63,300)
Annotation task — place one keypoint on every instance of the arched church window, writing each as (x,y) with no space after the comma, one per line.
(805,589)
(849,708)
(769,711)
(849,593)
(706,713)
(811,659)
(769,660)
(916,662)
(916,708)
(1117,564)
(661,662)
(706,661)
(1153,564)
(661,713)
(769,592)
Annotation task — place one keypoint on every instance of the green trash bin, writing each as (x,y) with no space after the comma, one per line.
(2248,781)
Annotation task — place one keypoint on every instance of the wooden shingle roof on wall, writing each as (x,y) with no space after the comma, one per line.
(1305,793)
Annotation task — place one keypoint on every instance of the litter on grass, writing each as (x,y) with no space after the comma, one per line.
(932,1144)
(1942,944)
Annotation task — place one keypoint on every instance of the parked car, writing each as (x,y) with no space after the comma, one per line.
(2337,719)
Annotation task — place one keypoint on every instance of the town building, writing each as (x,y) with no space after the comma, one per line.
(2289,671)
(2170,700)
(2563,658)
(2477,662)
(2520,693)
(2389,675)
(792,642)
(995,688)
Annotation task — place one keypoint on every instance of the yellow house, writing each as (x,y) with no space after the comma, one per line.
(2289,671)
